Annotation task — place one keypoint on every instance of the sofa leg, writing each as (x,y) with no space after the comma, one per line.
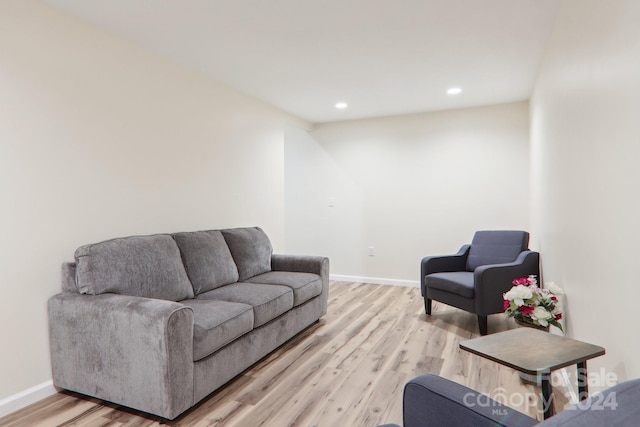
(427,305)
(482,323)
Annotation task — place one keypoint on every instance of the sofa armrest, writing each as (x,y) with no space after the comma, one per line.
(443,263)
(69,277)
(305,264)
(130,350)
(430,400)
(301,264)
(493,280)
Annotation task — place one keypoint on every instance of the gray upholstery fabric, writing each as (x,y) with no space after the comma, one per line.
(459,282)
(69,277)
(304,285)
(231,360)
(139,352)
(144,266)
(616,406)
(207,259)
(124,349)
(432,401)
(217,323)
(496,247)
(305,264)
(446,279)
(268,301)
(251,251)
(300,263)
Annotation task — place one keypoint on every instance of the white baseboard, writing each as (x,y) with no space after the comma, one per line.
(375,281)
(27,397)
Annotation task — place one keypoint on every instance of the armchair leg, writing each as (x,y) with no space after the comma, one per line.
(427,305)
(482,323)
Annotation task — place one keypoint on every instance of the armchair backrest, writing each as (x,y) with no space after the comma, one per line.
(496,247)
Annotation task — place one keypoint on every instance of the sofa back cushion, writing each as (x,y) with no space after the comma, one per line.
(207,259)
(144,266)
(251,250)
(496,247)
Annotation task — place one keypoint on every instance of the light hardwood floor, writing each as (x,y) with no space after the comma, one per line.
(348,369)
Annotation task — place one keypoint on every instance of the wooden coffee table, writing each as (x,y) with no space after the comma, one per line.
(536,353)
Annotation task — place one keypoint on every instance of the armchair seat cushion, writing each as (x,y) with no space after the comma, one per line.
(217,323)
(458,282)
(304,285)
(268,301)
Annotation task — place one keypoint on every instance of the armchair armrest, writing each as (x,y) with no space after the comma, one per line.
(430,400)
(496,279)
(444,263)
(118,348)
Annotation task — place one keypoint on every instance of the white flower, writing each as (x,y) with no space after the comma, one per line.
(518,294)
(555,289)
(532,280)
(544,295)
(541,315)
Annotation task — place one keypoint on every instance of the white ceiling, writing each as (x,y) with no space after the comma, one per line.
(382,57)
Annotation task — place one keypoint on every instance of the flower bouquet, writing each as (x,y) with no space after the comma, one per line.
(529,304)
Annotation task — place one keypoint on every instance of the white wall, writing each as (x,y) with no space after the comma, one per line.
(409,186)
(313,181)
(98,139)
(585,133)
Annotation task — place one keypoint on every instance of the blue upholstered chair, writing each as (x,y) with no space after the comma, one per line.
(432,401)
(475,278)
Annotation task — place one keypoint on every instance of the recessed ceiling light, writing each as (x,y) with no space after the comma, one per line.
(341,105)
(454,91)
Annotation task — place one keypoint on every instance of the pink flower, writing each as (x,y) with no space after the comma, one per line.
(558,316)
(507,304)
(523,281)
(554,298)
(526,310)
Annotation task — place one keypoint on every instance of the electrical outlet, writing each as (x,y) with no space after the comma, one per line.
(372,251)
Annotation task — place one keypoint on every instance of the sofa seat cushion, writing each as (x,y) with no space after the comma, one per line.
(459,282)
(304,285)
(217,323)
(207,259)
(140,266)
(268,301)
(251,250)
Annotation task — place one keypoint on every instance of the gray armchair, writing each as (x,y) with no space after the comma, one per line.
(433,401)
(475,278)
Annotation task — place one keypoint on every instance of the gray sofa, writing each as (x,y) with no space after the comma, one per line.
(433,401)
(158,322)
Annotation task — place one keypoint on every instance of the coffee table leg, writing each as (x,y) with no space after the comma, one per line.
(583,386)
(547,396)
